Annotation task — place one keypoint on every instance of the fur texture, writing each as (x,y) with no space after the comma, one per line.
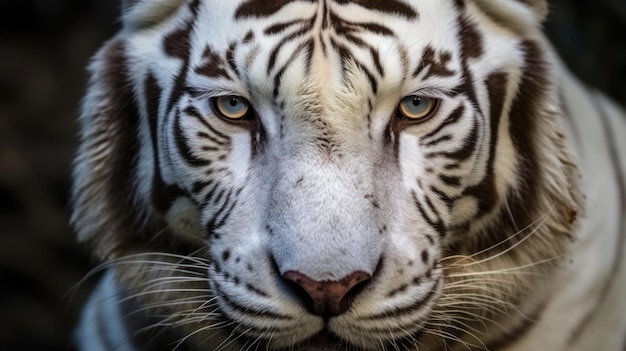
(326,217)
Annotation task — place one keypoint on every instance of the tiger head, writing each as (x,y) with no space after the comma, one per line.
(327,174)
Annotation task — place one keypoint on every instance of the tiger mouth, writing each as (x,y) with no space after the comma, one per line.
(325,340)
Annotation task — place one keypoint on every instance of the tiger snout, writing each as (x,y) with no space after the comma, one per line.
(324,238)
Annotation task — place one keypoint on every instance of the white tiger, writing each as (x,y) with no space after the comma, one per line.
(348,175)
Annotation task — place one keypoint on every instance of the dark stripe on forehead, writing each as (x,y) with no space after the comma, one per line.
(347,56)
(342,38)
(213,65)
(471,47)
(345,27)
(285,40)
(265,8)
(471,40)
(436,62)
(393,7)
(307,47)
(262,8)
(177,44)
(230,57)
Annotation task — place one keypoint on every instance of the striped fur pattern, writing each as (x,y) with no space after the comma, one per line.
(239,157)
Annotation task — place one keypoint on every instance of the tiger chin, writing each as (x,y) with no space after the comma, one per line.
(347,175)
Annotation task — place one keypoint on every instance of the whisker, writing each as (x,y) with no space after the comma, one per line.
(455,327)
(540,221)
(509,270)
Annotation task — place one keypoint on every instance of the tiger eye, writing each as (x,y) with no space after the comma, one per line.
(231,107)
(416,108)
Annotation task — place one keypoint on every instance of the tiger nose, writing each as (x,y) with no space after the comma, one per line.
(327,298)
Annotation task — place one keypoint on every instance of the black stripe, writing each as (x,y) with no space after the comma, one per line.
(445,198)
(391,7)
(117,125)
(213,65)
(461,154)
(471,43)
(264,8)
(285,40)
(281,27)
(279,75)
(346,56)
(407,310)
(128,227)
(194,112)
(183,147)
(177,44)
(260,8)
(230,58)
(453,118)
(525,112)
(253,313)
(163,195)
(346,28)
(437,224)
(225,210)
(516,333)
(485,191)
(436,62)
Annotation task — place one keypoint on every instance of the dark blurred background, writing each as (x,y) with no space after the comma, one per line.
(44,48)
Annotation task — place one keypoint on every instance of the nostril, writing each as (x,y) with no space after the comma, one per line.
(327,298)
(303,296)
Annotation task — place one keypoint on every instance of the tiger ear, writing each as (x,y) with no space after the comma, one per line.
(145,13)
(520,15)
(539,7)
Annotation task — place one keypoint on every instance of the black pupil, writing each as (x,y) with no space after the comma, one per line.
(417,101)
(234,102)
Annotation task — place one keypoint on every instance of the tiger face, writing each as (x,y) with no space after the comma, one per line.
(327,174)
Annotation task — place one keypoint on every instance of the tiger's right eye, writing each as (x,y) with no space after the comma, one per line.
(416,108)
(231,107)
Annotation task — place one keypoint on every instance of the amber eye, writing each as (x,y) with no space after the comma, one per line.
(231,107)
(416,108)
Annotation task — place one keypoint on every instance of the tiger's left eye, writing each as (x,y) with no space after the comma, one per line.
(417,108)
(231,107)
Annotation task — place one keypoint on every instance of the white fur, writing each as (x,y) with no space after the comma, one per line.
(328,210)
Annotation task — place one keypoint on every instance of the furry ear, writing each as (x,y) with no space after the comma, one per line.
(103,200)
(145,13)
(539,7)
(521,16)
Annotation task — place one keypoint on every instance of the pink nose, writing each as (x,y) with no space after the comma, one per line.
(327,298)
